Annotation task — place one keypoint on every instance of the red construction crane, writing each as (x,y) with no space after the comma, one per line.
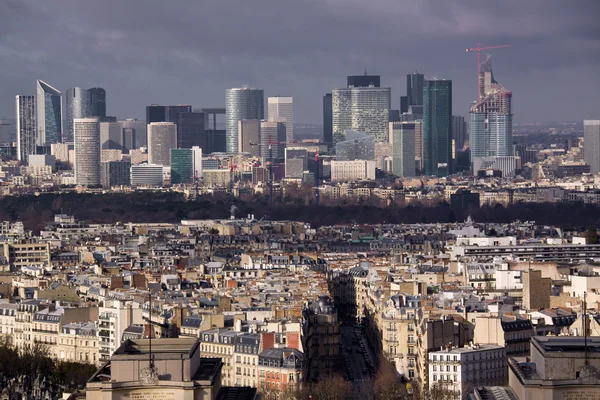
(478,50)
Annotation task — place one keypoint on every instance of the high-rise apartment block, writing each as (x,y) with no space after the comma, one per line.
(327,119)
(162,137)
(591,144)
(249,136)
(87,151)
(97,102)
(402,139)
(281,109)
(26,126)
(491,117)
(364,109)
(49,114)
(241,103)
(77,106)
(437,127)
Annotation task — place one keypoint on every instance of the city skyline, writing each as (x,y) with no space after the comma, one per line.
(555,46)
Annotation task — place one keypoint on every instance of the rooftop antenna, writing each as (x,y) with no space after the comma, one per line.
(365,72)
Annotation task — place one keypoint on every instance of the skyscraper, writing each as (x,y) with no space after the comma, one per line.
(459,132)
(414,89)
(155,113)
(186,165)
(363,109)
(437,127)
(86,135)
(190,129)
(281,109)
(249,136)
(49,114)
(327,120)
(241,103)
(402,137)
(364,80)
(26,127)
(111,136)
(214,133)
(97,102)
(162,137)
(77,106)
(134,134)
(272,140)
(355,146)
(591,144)
(491,117)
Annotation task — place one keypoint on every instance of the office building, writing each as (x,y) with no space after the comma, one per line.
(249,136)
(414,89)
(215,134)
(491,117)
(87,151)
(296,162)
(461,369)
(459,132)
(41,160)
(116,173)
(155,113)
(26,126)
(241,103)
(272,140)
(111,136)
(281,108)
(591,144)
(77,106)
(508,165)
(49,114)
(348,171)
(402,139)
(355,145)
(437,127)
(147,175)
(403,105)
(364,109)
(190,129)
(162,137)
(5,131)
(186,165)
(134,134)
(364,81)
(327,120)
(97,102)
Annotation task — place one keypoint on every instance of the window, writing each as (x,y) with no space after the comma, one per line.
(411,373)
(435,378)
(435,367)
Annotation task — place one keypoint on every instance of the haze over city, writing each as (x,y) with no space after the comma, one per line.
(189,52)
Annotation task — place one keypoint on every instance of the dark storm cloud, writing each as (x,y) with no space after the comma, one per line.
(157,51)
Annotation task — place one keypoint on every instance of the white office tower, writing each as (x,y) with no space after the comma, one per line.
(349,171)
(86,133)
(363,109)
(281,109)
(147,175)
(162,137)
(591,144)
(26,126)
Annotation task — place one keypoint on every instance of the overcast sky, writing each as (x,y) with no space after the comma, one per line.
(190,51)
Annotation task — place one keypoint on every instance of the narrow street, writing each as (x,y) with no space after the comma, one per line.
(357,360)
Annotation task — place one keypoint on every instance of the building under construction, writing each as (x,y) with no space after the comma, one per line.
(491,117)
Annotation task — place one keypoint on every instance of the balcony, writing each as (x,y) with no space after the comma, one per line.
(104,333)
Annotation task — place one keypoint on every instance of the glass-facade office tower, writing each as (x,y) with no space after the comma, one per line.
(190,130)
(162,137)
(26,127)
(459,132)
(281,109)
(364,80)
(214,133)
(363,109)
(491,117)
(78,105)
(272,140)
(296,162)
(402,137)
(249,136)
(186,165)
(355,146)
(155,113)
(327,120)
(591,144)
(49,114)
(437,127)
(414,89)
(241,103)
(86,133)
(97,102)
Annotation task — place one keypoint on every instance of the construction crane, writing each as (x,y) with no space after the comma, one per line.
(317,177)
(478,50)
